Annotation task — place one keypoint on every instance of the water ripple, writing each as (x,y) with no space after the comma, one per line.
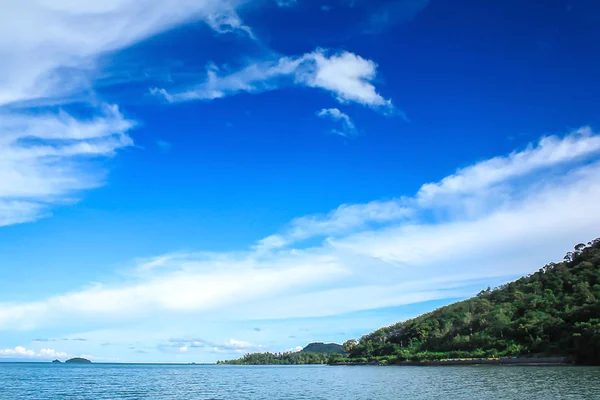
(31,381)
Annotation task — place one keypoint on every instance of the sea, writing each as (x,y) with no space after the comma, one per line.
(46,381)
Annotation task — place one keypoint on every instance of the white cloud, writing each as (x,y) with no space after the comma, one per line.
(348,128)
(189,284)
(51,353)
(44,158)
(239,344)
(22,352)
(17,351)
(550,150)
(231,346)
(48,47)
(379,254)
(343,219)
(49,52)
(226,20)
(347,76)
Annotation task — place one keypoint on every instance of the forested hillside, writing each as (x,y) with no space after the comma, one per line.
(555,311)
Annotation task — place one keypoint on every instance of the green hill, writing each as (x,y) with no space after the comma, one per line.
(555,311)
(323,348)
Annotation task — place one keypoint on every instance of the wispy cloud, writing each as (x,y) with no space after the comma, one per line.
(348,128)
(549,151)
(346,218)
(373,255)
(231,346)
(44,158)
(347,76)
(54,44)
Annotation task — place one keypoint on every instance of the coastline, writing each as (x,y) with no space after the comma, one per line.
(535,362)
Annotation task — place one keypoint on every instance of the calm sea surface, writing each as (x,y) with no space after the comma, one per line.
(181,382)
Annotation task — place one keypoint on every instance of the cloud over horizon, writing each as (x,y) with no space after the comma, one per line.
(374,255)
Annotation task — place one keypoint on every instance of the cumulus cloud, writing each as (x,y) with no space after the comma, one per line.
(347,76)
(22,352)
(348,128)
(368,256)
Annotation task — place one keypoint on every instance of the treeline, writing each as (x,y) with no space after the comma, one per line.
(288,358)
(553,312)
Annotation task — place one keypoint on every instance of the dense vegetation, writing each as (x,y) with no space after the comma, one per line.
(553,312)
(287,358)
(313,353)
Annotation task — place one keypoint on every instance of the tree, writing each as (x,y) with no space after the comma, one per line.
(349,345)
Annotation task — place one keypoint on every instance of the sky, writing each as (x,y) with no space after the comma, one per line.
(192,180)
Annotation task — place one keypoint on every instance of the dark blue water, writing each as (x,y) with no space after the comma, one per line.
(24,381)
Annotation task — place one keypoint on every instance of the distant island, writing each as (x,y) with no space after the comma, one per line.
(56,362)
(551,315)
(78,360)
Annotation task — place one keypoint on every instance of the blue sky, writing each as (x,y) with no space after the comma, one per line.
(193,180)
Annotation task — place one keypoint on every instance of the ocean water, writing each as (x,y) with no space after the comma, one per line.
(35,381)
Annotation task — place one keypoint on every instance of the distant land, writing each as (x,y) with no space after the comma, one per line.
(78,360)
(312,353)
(552,316)
(323,348)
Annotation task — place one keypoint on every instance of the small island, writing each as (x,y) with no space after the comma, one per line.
(78,360)
(56,362)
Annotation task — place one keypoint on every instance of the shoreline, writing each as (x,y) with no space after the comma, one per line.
(534,362)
